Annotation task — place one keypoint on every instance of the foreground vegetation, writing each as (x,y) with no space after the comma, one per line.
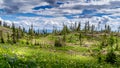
(72,47)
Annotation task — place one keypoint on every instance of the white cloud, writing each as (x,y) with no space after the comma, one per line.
(111,7)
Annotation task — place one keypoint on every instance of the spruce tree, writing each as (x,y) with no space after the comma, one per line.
(8,38)
(105,28)
(80,38)
(2,38)
(75,26)
(85,28)
(108,29)
(18,35)
(65,30)
(0,23)
(79,26)
(92,30)
(44,31)
(23,32)
(118,29)
(13,33)
(31,31)
(99,25)
(88,26)
(54,30)
(64,37)
(19,32)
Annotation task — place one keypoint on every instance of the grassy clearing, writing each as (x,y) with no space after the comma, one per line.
(40,52)
(19,56)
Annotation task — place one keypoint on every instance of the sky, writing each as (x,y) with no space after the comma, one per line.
(48,13)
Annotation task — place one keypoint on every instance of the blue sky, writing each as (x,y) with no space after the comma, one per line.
(49,13)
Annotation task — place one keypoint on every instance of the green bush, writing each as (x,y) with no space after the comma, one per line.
(111,57)
(58,43)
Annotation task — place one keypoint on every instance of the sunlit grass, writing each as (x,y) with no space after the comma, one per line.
(37,55)
(20,56)
(45,55)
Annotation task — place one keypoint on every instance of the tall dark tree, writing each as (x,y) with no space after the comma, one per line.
(13,33)
(85,28)
(108,29)
(80,38)
(1,35)
(118,29)
(75,26)
(88,26)
(23,32)
(92,30)
(19,32)
(0,23)
(8,37)
(54,30)
(65,30)
(99,25)
(44,31)
(18,36)
(31,34)
(105,28)
(31,31)
(79,26)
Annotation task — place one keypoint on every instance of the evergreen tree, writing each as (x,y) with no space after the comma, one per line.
(54,30)
(85,28)
(64,37)
(1,35)
(65,30)
(13,33)
(71,27)
(44,31)
(80,38)
(23,32)
(99,25)
(75,26)
(18,35)
(108,29)
(37,33)
(79,26)
(118,29)
(88,26)
(0,23)
(105,28)
(31,32)
(8,38)
(92,30)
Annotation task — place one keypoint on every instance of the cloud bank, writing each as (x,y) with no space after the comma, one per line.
(49,13)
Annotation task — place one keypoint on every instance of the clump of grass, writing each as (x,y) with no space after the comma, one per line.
(111,57)
(58,43)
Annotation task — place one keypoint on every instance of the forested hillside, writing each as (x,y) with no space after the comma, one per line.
(71,47)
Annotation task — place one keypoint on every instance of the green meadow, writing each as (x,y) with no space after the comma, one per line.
(68,48)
